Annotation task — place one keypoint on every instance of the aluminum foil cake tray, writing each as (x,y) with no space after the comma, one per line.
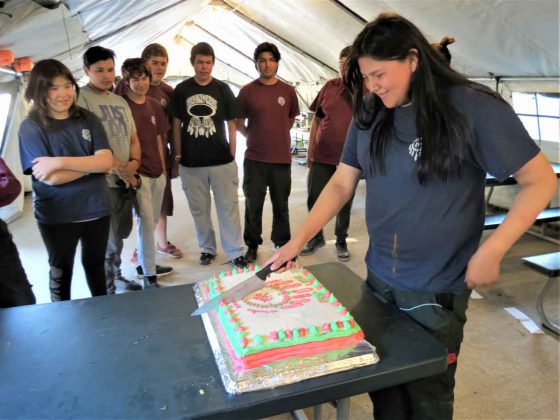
(282,372)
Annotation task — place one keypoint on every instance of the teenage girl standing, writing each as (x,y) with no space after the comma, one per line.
(65,149)
(425,138)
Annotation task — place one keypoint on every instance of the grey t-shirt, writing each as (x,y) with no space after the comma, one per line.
(115,115)
(422,236)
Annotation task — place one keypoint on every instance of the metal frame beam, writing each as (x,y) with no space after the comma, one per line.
(206,31)
(348,11)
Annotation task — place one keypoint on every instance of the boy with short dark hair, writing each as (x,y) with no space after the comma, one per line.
(156,59)
(202,107)
(152,126)
(114,113)
(270,106)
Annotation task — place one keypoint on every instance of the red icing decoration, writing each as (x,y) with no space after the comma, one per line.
(298,293)
(228,273)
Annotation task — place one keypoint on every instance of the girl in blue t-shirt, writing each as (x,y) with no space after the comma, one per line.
(65,150)
(424,140)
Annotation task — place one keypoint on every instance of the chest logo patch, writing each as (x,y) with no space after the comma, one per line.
(201,108)
(163,102)
(415,149)
(281,101)
(86,135)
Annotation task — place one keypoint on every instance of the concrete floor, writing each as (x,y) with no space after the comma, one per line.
(504,371)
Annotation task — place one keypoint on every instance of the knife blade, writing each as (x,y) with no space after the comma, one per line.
(245,288)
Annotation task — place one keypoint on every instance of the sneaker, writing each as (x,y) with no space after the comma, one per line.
(130,285)
(161,271)
(134,258)
(251,254)
(239,262)
(342,252)
(312,246)
(170,250)
(206,258)
(150,282)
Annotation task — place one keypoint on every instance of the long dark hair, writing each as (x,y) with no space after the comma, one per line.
(37,91)
(443,130)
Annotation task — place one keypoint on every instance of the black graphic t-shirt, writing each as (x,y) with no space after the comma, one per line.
(203,111)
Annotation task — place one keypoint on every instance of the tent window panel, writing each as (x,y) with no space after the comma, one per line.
(531,125)
(524,103)
(5,100)
(548,104)
(550,129)
(539,113)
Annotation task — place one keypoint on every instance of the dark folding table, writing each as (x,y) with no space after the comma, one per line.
(141,355)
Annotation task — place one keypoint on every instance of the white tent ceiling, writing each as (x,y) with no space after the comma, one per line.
(506,38)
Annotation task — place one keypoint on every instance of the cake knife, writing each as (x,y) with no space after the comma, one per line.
(245,288)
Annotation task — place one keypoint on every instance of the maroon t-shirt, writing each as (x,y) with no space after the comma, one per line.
(9,185)
(161,92)
(150,121)
(269,109)
(333,106)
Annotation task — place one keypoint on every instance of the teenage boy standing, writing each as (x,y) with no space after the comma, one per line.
(270,107)
(333,112)
(152,125)
(156,59)
(114,113)
(201,107)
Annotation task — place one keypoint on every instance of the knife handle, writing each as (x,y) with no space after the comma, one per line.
(263,274)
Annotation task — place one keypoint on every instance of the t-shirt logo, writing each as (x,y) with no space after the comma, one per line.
(86,135)
(201,108)
(281,101)
(163,102)
(153,119)
(114,119)
(415,149)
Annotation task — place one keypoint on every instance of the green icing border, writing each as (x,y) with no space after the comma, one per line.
(235,338)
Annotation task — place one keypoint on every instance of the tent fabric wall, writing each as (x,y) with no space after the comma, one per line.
(506,38)
(516,41)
